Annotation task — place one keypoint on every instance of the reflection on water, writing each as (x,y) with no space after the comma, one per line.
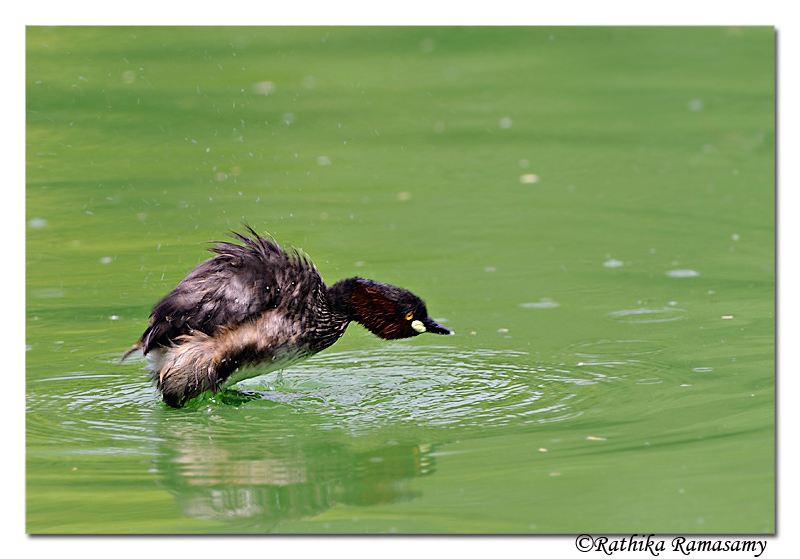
(483,210)
(269,482)
(342,428)
(363,391)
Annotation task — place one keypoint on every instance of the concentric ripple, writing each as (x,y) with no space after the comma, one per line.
(397,385)
(620,361)
(645,315)
(426,387)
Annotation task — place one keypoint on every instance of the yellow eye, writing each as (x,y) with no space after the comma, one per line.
(409,316)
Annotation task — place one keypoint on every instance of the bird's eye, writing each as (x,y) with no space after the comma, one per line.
(409,316)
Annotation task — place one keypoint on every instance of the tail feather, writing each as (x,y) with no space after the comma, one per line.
(137,346)
(189,369)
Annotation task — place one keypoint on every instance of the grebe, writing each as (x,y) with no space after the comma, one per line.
(257,303)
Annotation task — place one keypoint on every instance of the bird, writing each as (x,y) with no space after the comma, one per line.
(254,303)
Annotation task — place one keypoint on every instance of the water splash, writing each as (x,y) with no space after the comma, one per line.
(430,387)
(364,391)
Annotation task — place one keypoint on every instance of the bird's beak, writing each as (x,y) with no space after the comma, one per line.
(434,327)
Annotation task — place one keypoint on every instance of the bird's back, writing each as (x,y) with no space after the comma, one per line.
(237,285)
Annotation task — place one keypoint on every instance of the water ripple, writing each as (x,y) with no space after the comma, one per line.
(646,315)
(617,361)
(433,387)
(425,387)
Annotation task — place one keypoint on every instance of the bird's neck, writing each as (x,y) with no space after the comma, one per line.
(367,302)
(340,297)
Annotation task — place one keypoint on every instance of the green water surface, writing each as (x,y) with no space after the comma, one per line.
(590,209)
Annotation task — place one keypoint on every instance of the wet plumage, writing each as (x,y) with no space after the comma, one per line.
(256,303)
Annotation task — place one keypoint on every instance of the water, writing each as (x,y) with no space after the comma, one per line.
(591,210)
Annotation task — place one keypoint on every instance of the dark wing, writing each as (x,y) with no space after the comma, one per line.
(241,282)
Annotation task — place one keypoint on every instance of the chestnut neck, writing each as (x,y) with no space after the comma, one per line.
(372,304)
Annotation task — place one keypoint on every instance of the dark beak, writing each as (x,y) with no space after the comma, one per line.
(435,328)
